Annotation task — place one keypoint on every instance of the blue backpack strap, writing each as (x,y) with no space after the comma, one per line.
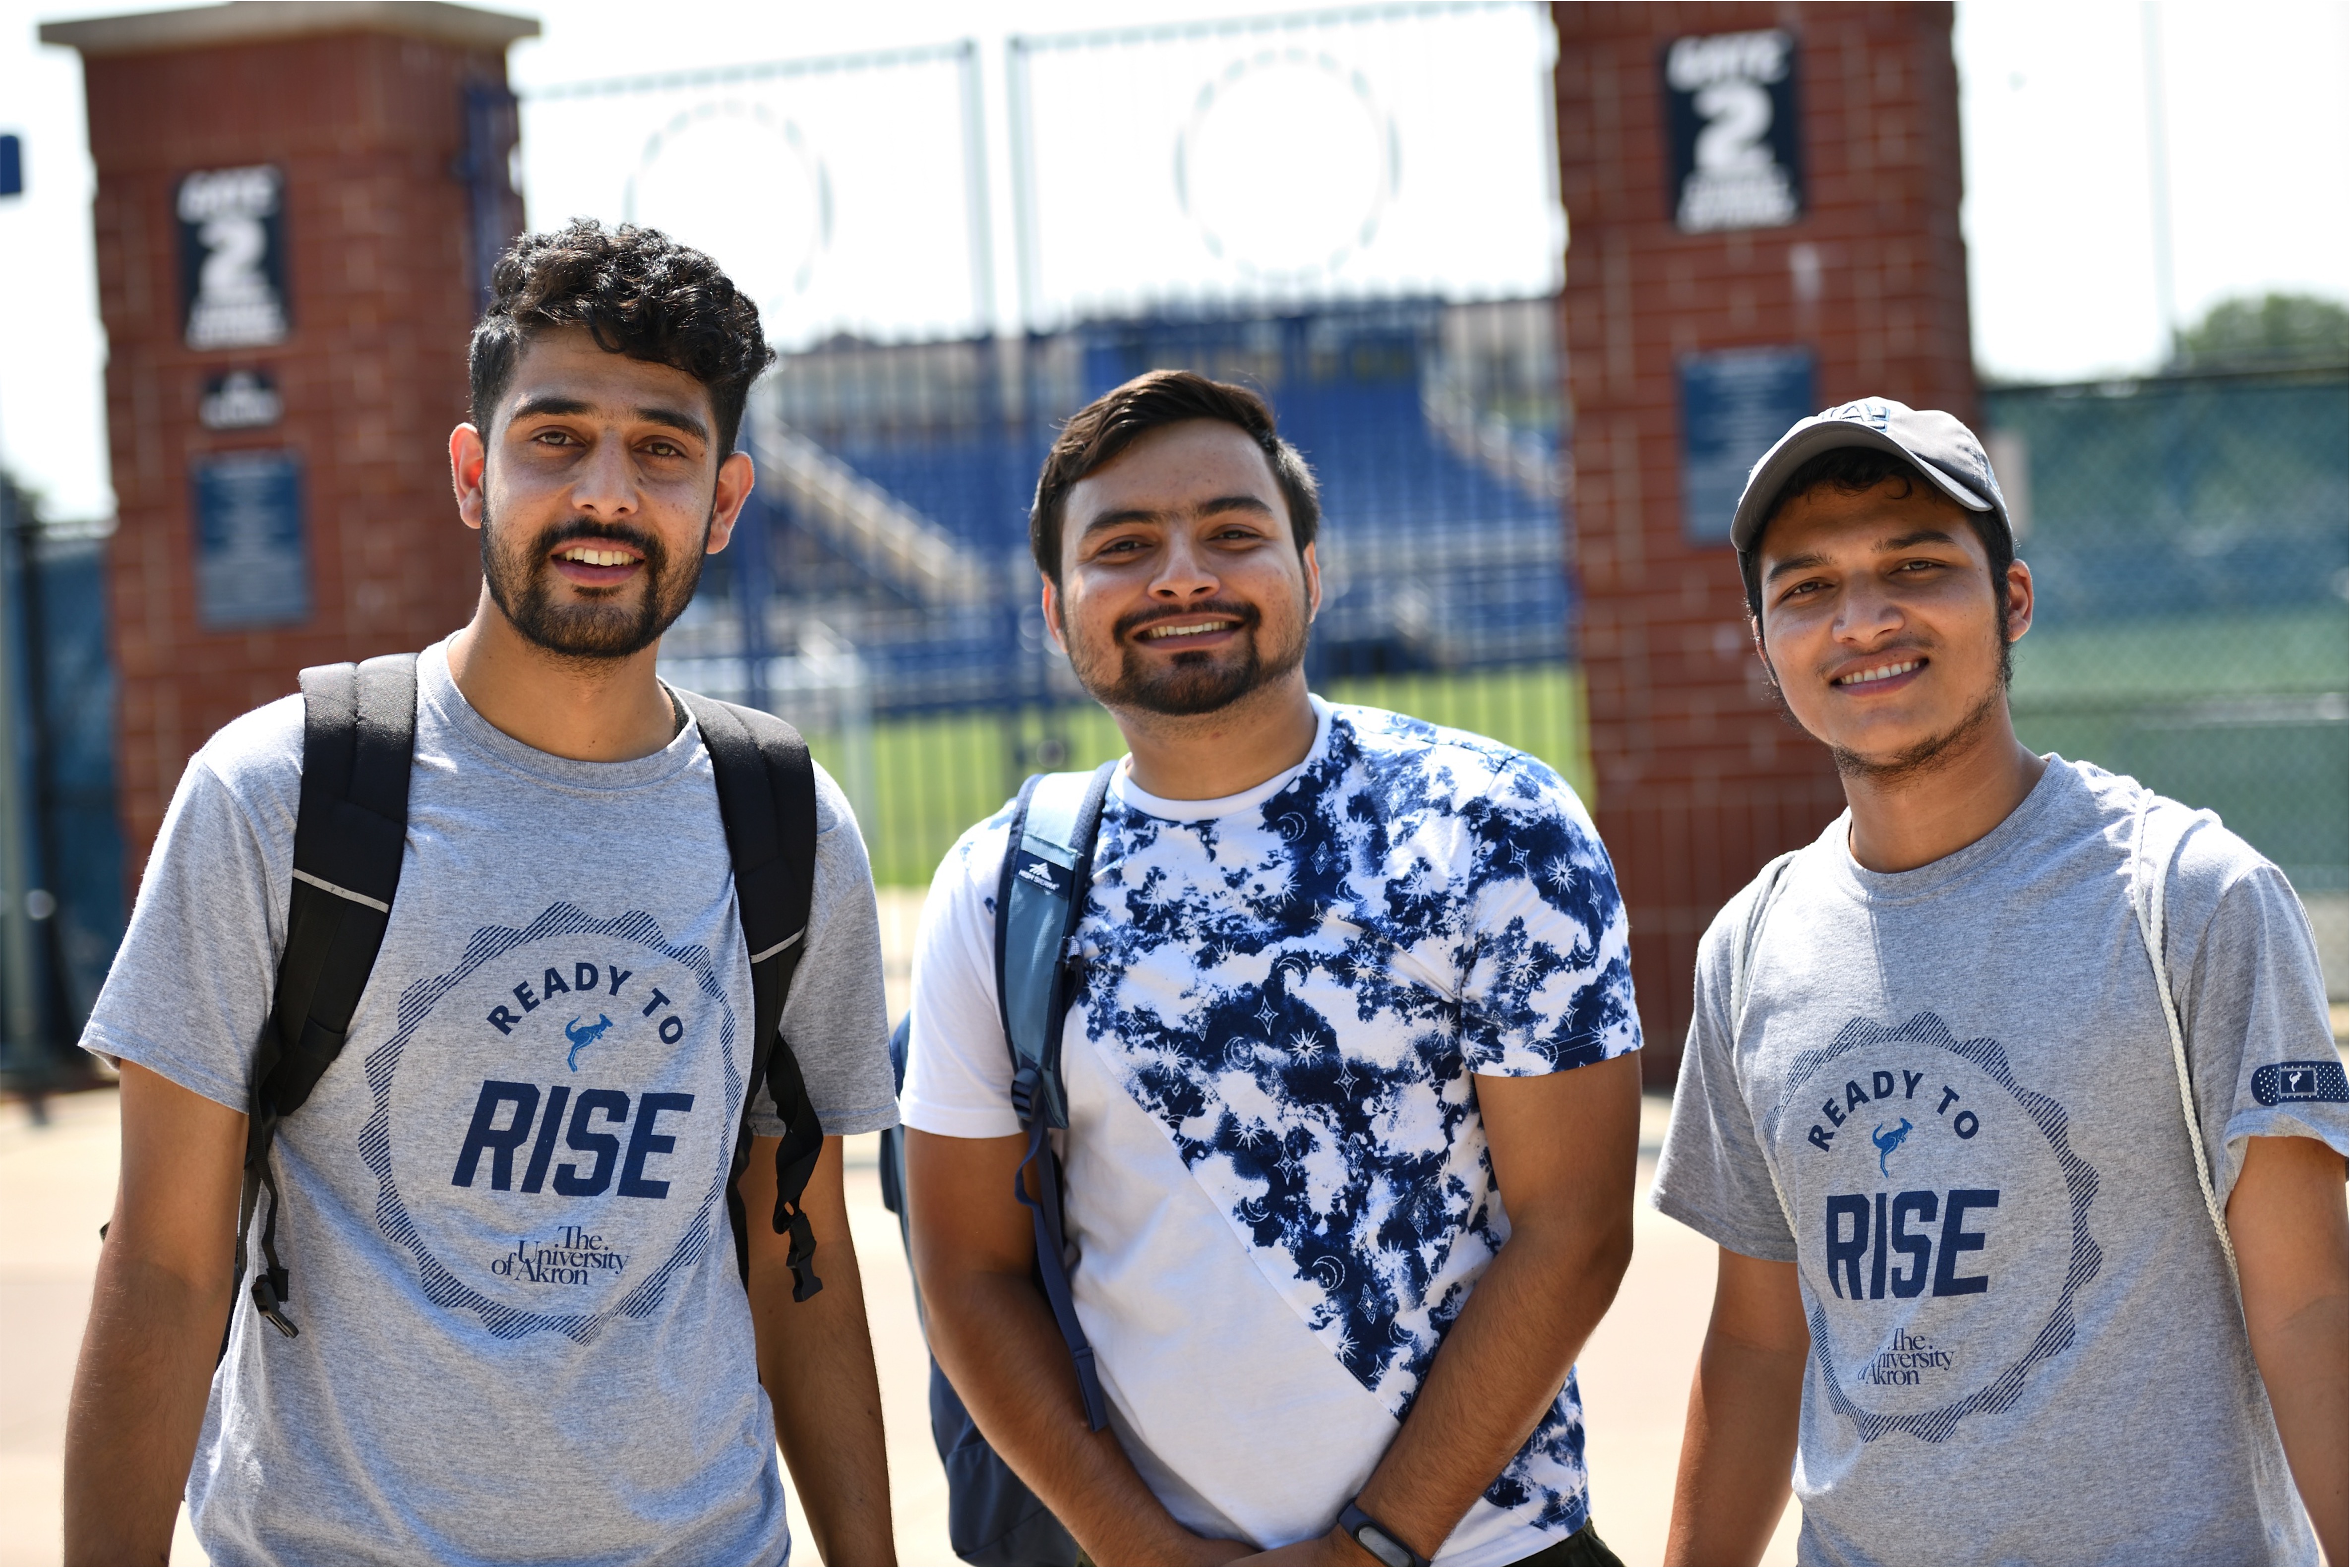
(1040,898)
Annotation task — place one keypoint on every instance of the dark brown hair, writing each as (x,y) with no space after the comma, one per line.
(1096,433)
(639,293)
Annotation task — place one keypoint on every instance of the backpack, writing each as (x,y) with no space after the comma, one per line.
(1040,896)
(358,737)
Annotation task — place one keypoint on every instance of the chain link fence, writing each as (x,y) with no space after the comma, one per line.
(882,595)
(2186,537)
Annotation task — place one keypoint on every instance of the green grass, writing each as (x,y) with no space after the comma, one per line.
(2183,657)
(918,782)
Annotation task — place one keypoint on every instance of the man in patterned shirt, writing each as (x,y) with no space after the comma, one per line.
(1355,988)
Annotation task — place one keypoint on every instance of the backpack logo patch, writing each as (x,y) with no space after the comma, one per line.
(1039,873)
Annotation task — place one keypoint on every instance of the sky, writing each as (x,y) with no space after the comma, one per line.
(2059,215)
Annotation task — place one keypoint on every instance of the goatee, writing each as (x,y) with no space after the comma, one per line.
(1198,681)
(521,577)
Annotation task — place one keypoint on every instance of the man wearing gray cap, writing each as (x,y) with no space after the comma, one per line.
(2011,1101)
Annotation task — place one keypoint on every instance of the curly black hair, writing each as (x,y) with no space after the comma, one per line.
(639,293)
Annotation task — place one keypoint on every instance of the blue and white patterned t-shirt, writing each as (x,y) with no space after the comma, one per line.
(1277,1178)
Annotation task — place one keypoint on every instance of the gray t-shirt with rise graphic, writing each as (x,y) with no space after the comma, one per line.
(523,1337)
(1958,1082)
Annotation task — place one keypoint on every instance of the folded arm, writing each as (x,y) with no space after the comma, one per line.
(155,1316)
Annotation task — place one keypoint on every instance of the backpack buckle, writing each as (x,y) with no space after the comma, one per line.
(269,1300)
(1024,1085)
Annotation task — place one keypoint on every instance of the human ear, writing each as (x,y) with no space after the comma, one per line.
(1051,604)
(469,459)
(735,477)
(2019,600)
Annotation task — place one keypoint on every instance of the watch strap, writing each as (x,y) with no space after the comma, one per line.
(1376,1539)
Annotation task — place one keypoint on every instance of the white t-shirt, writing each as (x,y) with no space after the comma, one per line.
(1277,1180)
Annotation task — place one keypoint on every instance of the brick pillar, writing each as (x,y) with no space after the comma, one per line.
(1700,780)
(342,399)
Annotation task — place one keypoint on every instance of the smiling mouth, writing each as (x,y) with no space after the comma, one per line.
(589,556)
(1187,629)
(1878,673)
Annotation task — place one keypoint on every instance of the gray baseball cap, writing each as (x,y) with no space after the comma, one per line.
(1942,449)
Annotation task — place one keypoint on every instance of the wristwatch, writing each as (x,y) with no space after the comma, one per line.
(1376,1539)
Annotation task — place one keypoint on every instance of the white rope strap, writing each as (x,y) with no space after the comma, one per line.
(2147,904)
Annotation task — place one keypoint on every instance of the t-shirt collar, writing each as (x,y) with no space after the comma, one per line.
(2058,782)
(437,692)
(1131,795)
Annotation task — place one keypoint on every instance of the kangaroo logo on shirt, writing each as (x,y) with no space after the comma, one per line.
(582,1038)
(1887,1143)
(1934,1293)
(530,1199)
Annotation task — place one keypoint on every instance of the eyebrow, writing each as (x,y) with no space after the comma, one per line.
(1126,514)
(557,405)
(1899,542)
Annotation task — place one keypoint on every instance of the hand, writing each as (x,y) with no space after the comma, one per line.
(1335,1547)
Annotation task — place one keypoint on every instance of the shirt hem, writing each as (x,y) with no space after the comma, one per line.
(1718,1232)
(954,1121)
(188,1076)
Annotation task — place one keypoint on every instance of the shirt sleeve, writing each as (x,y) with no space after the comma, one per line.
(1712,1174)
(2252,1001)
(1548,984)
(192,986)
(957,1066)
(837,1017)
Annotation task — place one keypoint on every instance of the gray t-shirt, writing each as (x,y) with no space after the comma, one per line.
(523,1337)
(1957,1081)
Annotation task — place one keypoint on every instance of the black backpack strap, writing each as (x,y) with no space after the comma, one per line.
(1040,898)
(767,797)
(358,736)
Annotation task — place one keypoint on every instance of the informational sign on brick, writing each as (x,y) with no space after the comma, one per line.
(233,256)
(1734,405)
(1733,114)
(252,562)
(240,400)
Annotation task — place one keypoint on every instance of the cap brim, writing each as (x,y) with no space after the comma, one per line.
(1799,447)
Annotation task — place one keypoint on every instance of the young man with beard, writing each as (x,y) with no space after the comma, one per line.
(2032,1243)
(1352,1094)
(507,1363)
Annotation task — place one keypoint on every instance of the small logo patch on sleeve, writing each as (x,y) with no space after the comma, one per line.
(2286,1083)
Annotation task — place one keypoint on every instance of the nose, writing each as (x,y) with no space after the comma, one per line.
(1865,613)
(604,484)
(1184,573)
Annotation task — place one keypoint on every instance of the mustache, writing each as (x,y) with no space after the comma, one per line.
(578,528)
(1248,615)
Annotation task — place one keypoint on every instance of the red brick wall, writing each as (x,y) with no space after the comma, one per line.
(1699,780)
(365,127)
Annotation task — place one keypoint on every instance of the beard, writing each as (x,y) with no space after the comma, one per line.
(523,582)
(1920,758)
(1197,682)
